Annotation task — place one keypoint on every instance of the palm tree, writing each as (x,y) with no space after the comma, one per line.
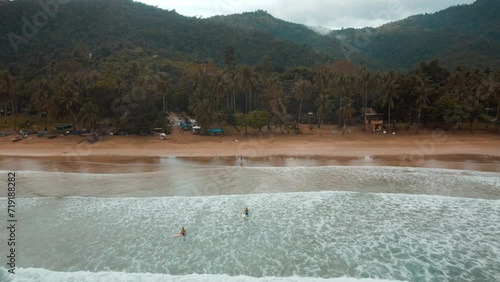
(41,97)
(277,98)
(89,115)
(277,101)
(422,89)
(58,87)
(67,98)
(4,97)
(248,81)
(201,107)
(346,111)
(70,103)
(302,89)
(220,88)
(232,81)
(477,92)
(8,86)
(469,88)
(455,88)
(322,81)
(389,93)
(364,84)
(323,86)
(456,84)
(324,103)
(164,87)
(494,94)
(341,88)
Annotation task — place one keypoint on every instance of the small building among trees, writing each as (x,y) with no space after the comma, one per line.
(373,121)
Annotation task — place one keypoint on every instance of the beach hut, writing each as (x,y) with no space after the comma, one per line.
(374,122)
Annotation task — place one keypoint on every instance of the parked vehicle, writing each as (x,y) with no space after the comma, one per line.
(64,127)
(185,125)
(196,130)
(214,131)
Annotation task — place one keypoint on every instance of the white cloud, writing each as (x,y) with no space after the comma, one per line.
(327,13)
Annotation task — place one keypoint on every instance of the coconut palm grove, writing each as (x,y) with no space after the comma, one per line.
(104,65)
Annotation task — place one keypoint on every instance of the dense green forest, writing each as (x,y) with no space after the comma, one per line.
(116,64)
(137,94)
(464,35)
(262,21)
(108,27)
(467,35)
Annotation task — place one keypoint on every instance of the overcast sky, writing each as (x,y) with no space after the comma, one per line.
(333,14)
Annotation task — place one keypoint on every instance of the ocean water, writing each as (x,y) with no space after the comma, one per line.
(306,224)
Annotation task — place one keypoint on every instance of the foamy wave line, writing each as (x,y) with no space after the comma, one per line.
(44,275)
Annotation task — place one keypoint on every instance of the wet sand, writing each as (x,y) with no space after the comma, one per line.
(123,164)
(133,166)
(436,149)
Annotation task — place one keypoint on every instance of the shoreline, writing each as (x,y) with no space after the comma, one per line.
(479,152)
(187,165)
(106,164)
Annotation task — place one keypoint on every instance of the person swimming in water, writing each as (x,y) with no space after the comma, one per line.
(246,211)
(183,232)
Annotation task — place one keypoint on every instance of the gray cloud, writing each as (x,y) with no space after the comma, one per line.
(327,13)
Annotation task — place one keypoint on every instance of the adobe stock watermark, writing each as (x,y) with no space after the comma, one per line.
(31,27)
(365,37)
(426,147)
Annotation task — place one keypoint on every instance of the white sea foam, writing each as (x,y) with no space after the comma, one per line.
(226,180)
(43,275)
(324,231)
(307,234)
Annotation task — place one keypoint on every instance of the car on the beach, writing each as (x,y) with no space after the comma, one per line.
(185,125)
(196,129)
(214,131)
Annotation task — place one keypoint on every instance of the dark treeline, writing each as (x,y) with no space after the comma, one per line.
(133,90)
(118,64)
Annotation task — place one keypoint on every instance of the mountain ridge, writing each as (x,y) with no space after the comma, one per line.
(398,45)
(109,26)
(459,35)
(466,35)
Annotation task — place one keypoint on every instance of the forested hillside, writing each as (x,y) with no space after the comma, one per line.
(107,27)
(300,34)
(467,35)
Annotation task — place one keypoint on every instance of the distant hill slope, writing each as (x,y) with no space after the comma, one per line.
(265,22)
(462,35)
(108,26)
(262,21)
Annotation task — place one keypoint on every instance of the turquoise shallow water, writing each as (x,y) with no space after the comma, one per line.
(323,235)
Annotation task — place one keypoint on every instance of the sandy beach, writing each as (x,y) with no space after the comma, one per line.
(338,195)
(428,149)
